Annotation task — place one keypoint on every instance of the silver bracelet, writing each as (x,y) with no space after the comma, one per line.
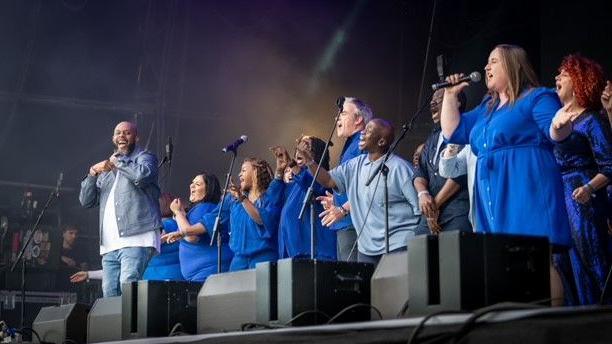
(421,193)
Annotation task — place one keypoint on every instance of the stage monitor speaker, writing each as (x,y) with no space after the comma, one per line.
(390,284)
(104,320)
(226,301)
(466,271)
(154,308)
(266,285)
(307,288)
(60,324)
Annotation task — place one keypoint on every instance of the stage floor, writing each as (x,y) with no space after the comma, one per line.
(542,325)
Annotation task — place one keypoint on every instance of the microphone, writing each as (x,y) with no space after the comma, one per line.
(58,186)
(169,149)
(473,77)
(340,102)
(233,146)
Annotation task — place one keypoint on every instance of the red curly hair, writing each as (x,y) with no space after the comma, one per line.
(587,79)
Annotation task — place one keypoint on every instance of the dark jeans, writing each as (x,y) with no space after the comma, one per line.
(346,239)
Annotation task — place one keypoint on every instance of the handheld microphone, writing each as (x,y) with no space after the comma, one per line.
(473,77)
(234,145)
(340,102)
(58,186)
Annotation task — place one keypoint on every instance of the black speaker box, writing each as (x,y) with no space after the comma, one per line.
(154,308)
(104,320)
(60,324)
(308,289)
(266,291)
(466,271)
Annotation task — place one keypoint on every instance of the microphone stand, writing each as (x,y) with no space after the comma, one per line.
(384,170)
(161,163)
(309,197)
(53,195)
(216,231)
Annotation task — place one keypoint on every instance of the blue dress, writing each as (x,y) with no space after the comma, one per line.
(251,242)
(585,153)
(199,259)
(165,266)
(294,234)
(518,188)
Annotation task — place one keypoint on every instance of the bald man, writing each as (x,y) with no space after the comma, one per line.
(125,187)
(350,178)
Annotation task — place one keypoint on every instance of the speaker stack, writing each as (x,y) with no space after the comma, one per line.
(451,271)
(311,291)
(104,320)
(466,271)
(226,301)
(60,324)
(390,284)
(156,308)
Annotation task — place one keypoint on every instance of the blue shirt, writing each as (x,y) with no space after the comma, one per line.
(136,193)
(404,213)
(199,259)
(247,238)
(294,234)
(350,151)
(459,204)
(518,186)
(165,265)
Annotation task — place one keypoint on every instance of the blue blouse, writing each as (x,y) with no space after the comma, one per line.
(199,259)
(518,188)
(294,234)
(247,238)
(166,265)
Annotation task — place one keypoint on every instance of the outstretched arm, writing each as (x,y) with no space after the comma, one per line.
(324,178)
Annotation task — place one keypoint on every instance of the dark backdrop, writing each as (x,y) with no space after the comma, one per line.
(205,72)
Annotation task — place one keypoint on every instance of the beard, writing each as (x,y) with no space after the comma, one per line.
(127,150)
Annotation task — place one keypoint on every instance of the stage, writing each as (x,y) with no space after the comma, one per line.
(541,325)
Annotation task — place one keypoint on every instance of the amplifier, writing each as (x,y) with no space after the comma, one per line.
(104,320)
(466,271)
(61,324)
(154,308)
(226,301)
(390,284)
(266,290)
(311,291)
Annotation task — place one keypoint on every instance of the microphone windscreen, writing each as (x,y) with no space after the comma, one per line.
(475,76)
(340,102)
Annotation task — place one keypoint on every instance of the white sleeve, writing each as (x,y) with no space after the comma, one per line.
(454,166)
(96,274)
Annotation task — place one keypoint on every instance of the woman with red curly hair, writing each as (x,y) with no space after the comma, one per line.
(584,153)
